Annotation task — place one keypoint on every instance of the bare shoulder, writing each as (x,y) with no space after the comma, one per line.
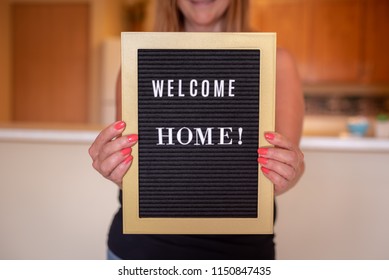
(285,59)
(287,73)
(289,101)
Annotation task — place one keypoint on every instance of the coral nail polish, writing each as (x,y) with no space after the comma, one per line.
(265,170)
(119,125)
(128,159)
(126,151)
(269,136)
(262,161)
(262,151)
(132,138)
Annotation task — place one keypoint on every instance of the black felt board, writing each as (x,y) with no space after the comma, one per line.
(194,178)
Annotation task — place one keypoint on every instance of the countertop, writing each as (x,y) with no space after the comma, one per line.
(87,134)
(355,144)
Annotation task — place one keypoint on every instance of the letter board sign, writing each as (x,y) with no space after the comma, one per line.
(200,103)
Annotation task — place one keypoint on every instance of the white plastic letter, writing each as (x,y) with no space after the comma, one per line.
(225,135)
(193,92)
(169,88)
(230,88)
(157,88)
(205,88)
(161,136)
(219,88)
(208,135)
(190,136)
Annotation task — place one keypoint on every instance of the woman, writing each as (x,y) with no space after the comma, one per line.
(282,164)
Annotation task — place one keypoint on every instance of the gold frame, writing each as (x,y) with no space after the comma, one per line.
(131,42)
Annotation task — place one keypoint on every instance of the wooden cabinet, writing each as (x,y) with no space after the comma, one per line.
(333,41)
(50,62)
(376,56)
(290,19)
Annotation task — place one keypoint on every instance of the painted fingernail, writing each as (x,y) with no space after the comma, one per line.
(262,161)
(119,125)
(265,170)
(128,159)
(132,138)
(262,151)
(269,136)
(126,151)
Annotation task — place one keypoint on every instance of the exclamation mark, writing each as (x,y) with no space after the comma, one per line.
(240,135)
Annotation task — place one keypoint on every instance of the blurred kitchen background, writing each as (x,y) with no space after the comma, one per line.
(59,63)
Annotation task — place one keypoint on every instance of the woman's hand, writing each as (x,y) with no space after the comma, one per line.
(111,152)
(282,164)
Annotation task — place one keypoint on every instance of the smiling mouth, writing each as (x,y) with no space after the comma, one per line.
(201,2)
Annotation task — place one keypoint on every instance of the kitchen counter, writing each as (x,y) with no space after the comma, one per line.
(336,211)
(357,144)
(49,133)
(87,134)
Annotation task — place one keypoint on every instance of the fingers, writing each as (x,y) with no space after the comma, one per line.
(111,152)
(105,136)
(281,184)
(284,170)
(281,164)
(106,164)
(120,170)
(283,151)
(117,144)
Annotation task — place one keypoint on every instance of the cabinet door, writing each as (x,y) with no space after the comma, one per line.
(336,45)
(325,36)
(377,42)
(50,62)
(290,20)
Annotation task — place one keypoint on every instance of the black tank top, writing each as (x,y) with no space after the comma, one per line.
(188,247)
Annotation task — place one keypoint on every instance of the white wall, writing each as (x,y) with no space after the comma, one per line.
(339,210)
(53,205)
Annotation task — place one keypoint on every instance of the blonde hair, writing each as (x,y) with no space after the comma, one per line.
(168,18)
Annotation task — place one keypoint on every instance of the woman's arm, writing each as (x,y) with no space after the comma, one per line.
(283,164)
(111,151)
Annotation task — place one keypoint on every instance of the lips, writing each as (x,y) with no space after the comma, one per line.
(199,2)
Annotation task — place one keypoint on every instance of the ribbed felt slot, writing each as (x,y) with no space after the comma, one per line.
(198,180)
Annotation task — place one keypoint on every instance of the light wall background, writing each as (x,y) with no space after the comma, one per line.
(53,205)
